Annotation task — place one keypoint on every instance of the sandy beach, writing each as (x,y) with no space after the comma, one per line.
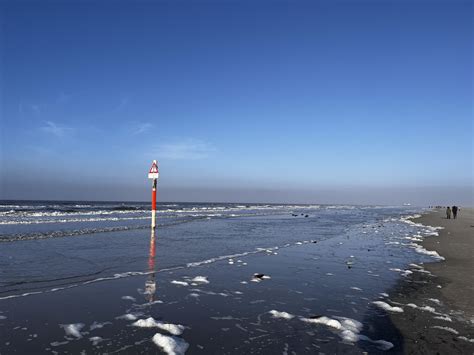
(448,288)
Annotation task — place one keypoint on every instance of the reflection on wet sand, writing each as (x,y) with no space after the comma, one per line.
(150,283)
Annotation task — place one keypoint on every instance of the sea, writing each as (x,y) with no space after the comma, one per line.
(212,278)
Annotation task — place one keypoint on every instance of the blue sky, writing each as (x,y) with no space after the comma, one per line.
(318,101)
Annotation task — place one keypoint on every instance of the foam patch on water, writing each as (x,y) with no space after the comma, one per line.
(445,318)
(129,298)
(323,320)
(200,280)
(277,314)
(175,329)
(257,278)
(170,345)
(356,288)
(73,329)
(385,306)
(415,239)
(347,328)
(130,316)
(402,272)
(59,343)
(98,325)
(181,283)
(95,340)
(419,249)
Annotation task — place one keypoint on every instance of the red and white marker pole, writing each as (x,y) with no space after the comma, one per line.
(153,174)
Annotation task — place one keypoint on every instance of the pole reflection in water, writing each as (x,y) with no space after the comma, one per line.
(150,283)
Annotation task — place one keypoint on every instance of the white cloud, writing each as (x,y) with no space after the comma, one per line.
(189,149)
(52,128)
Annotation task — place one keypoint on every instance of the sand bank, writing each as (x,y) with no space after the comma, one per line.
(441,316)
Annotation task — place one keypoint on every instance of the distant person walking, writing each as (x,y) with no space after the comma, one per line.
(455,211)
(448,212)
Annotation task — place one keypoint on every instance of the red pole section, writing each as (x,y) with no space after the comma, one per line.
(153,205)
(153,174)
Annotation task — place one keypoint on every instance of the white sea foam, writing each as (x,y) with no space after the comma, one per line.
(73,329)
(445,318)
(356,288)
(421,250)
(277,314)
(170,345)
(98,325)
(466,339)
(72,220)
(435,300)
(384,294)
(210,292)
(255,278)
(181,283)
(402,272)
(448,329)
(175,329)
(200,280)
(387,307)
(130,316)
(323,320)
(130,298)
(422,308)
(59,343)
(95,340)
(348,329)
(415,239)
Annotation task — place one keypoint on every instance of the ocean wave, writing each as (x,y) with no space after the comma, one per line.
(87,231)
(73,220)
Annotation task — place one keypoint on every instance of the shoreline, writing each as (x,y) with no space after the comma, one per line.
(443,319)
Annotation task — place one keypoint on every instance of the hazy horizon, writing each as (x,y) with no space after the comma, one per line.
(425,196)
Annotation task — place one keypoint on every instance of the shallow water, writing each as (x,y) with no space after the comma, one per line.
(333,263)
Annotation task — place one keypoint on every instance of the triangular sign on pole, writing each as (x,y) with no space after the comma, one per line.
(153,173)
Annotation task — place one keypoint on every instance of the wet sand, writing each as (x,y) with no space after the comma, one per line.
(449,290)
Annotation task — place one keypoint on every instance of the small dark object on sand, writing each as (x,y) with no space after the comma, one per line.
(368,249)
(349,267)
(314,241)
(302,214)
(258,276)
(316,316)
(306,216)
